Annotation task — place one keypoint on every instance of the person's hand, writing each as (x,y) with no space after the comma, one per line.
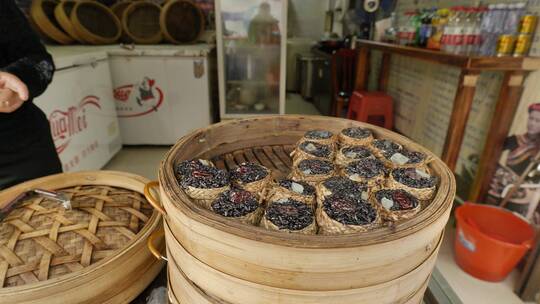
(13,92)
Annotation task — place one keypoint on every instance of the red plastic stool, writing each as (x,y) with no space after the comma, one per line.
(364,106)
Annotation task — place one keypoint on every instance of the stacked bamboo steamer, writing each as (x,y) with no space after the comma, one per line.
(93,253)
(222,261)
(140,21)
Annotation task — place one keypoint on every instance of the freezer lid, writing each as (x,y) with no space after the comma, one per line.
(192,50)
(74,55)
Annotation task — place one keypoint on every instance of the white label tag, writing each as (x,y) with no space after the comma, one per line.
(354,177)
(307,171)
(400,159)
(205,162)
(350,154)
(365,195)
(310,147)
(387,203)
(296,187)
(422,173)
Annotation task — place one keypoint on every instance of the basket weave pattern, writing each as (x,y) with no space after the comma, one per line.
(40,240)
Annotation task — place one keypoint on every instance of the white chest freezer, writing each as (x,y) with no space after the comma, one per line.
(80,107)
(161,92)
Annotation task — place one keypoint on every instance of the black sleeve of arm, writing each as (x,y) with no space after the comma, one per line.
(28,59)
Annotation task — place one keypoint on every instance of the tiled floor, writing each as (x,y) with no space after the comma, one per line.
(141,160)
(297,105)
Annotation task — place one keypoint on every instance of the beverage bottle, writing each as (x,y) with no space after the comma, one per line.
(439,23)
(448,32)
(414,28)
(507,37)
(459,31)
(391,34)
(477,32)
(468,30)
(425,28)
(402,28)
(527,26)
(495,25)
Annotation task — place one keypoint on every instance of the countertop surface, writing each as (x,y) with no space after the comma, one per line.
(66,56)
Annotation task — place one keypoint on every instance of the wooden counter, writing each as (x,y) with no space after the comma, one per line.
(514,68)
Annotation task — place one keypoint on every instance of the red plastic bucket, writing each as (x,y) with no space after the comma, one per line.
(490,241)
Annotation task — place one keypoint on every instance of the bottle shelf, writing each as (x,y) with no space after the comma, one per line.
(507,63)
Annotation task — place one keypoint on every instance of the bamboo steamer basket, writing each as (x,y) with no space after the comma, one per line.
(181,290)
(95,23)
(62,13)
(232,290)
(111,268)
(314,262)
(42,14)
(118,9)
(140,22)
(181,21)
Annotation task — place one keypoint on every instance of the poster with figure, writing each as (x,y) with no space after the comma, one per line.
(521,147)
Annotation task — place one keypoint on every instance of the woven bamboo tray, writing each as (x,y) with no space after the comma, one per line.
(62,13)
(140,22)
(314,262)
(95,23)
(42,15)
(181,21)
(94,253)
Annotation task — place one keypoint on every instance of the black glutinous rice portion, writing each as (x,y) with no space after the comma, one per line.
(188,166)
(287,184)
(357,133)
(289,214)
(249,172)
(409,177)
(356,152)
(345,186)
(349,210)
(316,149)
(414,157)
(386,145)
(206,179)
(402,199)
(366,168)
(315,167)
(235,203)
(318,134)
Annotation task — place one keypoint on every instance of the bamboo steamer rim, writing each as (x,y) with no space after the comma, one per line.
(203,298)
(442,200)
(44,23)
(180,261)
(87,35)
(118,179)
(141,4)
(63,19)
(163,20)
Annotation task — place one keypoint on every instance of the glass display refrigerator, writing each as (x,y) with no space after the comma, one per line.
(251,40)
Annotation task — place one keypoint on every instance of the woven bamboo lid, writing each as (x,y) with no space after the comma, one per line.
(42,15)
(140,22)
(181,21)
(44,246)
(118,9)
(62,13)
(95,23)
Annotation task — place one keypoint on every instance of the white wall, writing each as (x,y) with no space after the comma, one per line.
(306,18)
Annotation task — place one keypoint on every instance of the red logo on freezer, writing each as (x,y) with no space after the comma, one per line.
(134,100)
(66,124)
